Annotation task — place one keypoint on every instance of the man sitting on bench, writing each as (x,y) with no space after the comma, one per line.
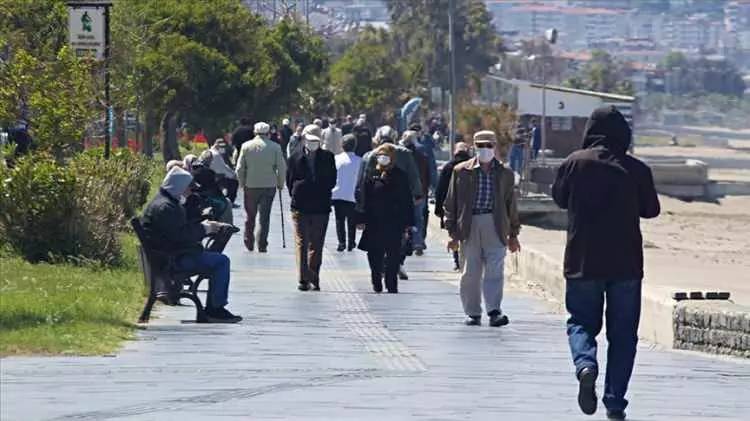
(168,229)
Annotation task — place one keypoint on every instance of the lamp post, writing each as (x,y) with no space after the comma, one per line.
(452,48)
(551,36)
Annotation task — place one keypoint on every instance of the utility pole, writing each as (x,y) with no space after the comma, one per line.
(452,99)
(107,99)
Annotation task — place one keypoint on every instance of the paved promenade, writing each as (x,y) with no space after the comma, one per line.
(348,354)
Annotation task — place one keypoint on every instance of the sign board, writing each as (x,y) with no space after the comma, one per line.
(86,29)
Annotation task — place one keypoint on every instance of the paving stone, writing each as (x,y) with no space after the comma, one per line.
(348,354)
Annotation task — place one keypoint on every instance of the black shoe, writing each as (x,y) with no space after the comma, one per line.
(303,286)
(350,248)
(393,290)
(262,249)
(377,287)
(221,315)
(617,414)
(498,320)
(235,206)
(341,248)
(473,321)
(316,286)
(402,274)
(587,391)
(419,252)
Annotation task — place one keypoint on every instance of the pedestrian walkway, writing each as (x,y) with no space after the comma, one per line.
(348,354)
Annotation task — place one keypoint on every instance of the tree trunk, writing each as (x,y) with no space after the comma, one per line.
(152,125)
(169,148)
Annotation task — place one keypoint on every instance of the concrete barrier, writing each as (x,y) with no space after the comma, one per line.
(715,327)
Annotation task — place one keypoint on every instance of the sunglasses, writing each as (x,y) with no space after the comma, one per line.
(484,145)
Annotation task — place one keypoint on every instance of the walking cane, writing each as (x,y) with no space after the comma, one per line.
(281,206)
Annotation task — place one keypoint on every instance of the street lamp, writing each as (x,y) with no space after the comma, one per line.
(551,36)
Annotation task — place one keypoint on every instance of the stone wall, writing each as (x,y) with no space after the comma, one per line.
(717,327)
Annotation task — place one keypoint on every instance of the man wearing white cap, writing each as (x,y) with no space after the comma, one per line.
(481,217)
(260,170)
(310,178)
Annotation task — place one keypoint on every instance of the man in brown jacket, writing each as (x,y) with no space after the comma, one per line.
(481,217)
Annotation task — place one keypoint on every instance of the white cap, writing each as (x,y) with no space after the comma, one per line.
(311,138)
(285,121)
(261,128)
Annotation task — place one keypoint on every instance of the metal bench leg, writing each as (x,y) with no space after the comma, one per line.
(200,312)
(146,313)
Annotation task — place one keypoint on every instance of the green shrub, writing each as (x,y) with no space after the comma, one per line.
(37,209)
(72,212)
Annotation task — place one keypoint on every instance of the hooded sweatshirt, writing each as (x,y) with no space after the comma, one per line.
(606,192)
(165,220)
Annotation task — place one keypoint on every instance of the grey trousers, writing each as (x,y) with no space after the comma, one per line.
(258,201)
(482,261)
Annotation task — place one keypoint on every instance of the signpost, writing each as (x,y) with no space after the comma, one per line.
(88,26)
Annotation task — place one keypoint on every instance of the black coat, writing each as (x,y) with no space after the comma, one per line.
(606,192)
(364,140)
(241,135)
(167,227)
(311,194)
(389,208)
(444,181)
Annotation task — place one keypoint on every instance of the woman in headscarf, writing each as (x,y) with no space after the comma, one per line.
(388,214)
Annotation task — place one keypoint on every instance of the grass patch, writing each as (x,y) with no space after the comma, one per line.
(67,309)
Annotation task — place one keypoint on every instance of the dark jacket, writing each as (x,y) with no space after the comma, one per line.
(606,192)
(444,181)
(389,208)
(426,146)
(167,227)
(286,136)
(311,194)
(423,166)
(364,140)
(346,128)
(241,135)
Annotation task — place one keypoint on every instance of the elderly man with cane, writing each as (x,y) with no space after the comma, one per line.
(261,169)
(481,217)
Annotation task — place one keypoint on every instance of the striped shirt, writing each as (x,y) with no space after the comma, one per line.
(484,200)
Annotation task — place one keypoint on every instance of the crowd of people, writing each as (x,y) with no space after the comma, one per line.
(379,182)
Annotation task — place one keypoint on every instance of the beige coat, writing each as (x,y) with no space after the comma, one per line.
(459,202)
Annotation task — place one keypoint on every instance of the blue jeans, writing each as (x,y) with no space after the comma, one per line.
(584,300)
(216,265)
(419,224)
(516,158)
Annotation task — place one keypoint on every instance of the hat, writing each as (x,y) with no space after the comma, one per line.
(285,121)
(318,122)
(363,116)
(309,137)
(261,128)
(313,129)
(485,136)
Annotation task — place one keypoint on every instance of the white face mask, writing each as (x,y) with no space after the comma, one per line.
(313,146)
(183,200)
(384,160)
(485,154)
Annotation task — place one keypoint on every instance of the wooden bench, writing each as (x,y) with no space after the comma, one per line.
(163,280)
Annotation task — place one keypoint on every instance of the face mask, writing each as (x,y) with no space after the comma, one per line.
(183,200)
(222,151)
(313,146)
(384,160)
(485,155)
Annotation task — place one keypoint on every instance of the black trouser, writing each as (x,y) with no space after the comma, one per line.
(388,252)
(426,221)
(231,185)
(345,221)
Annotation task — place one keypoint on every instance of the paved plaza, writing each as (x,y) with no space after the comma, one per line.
(346,353)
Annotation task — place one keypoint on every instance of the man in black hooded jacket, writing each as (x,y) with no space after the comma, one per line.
(606,192)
